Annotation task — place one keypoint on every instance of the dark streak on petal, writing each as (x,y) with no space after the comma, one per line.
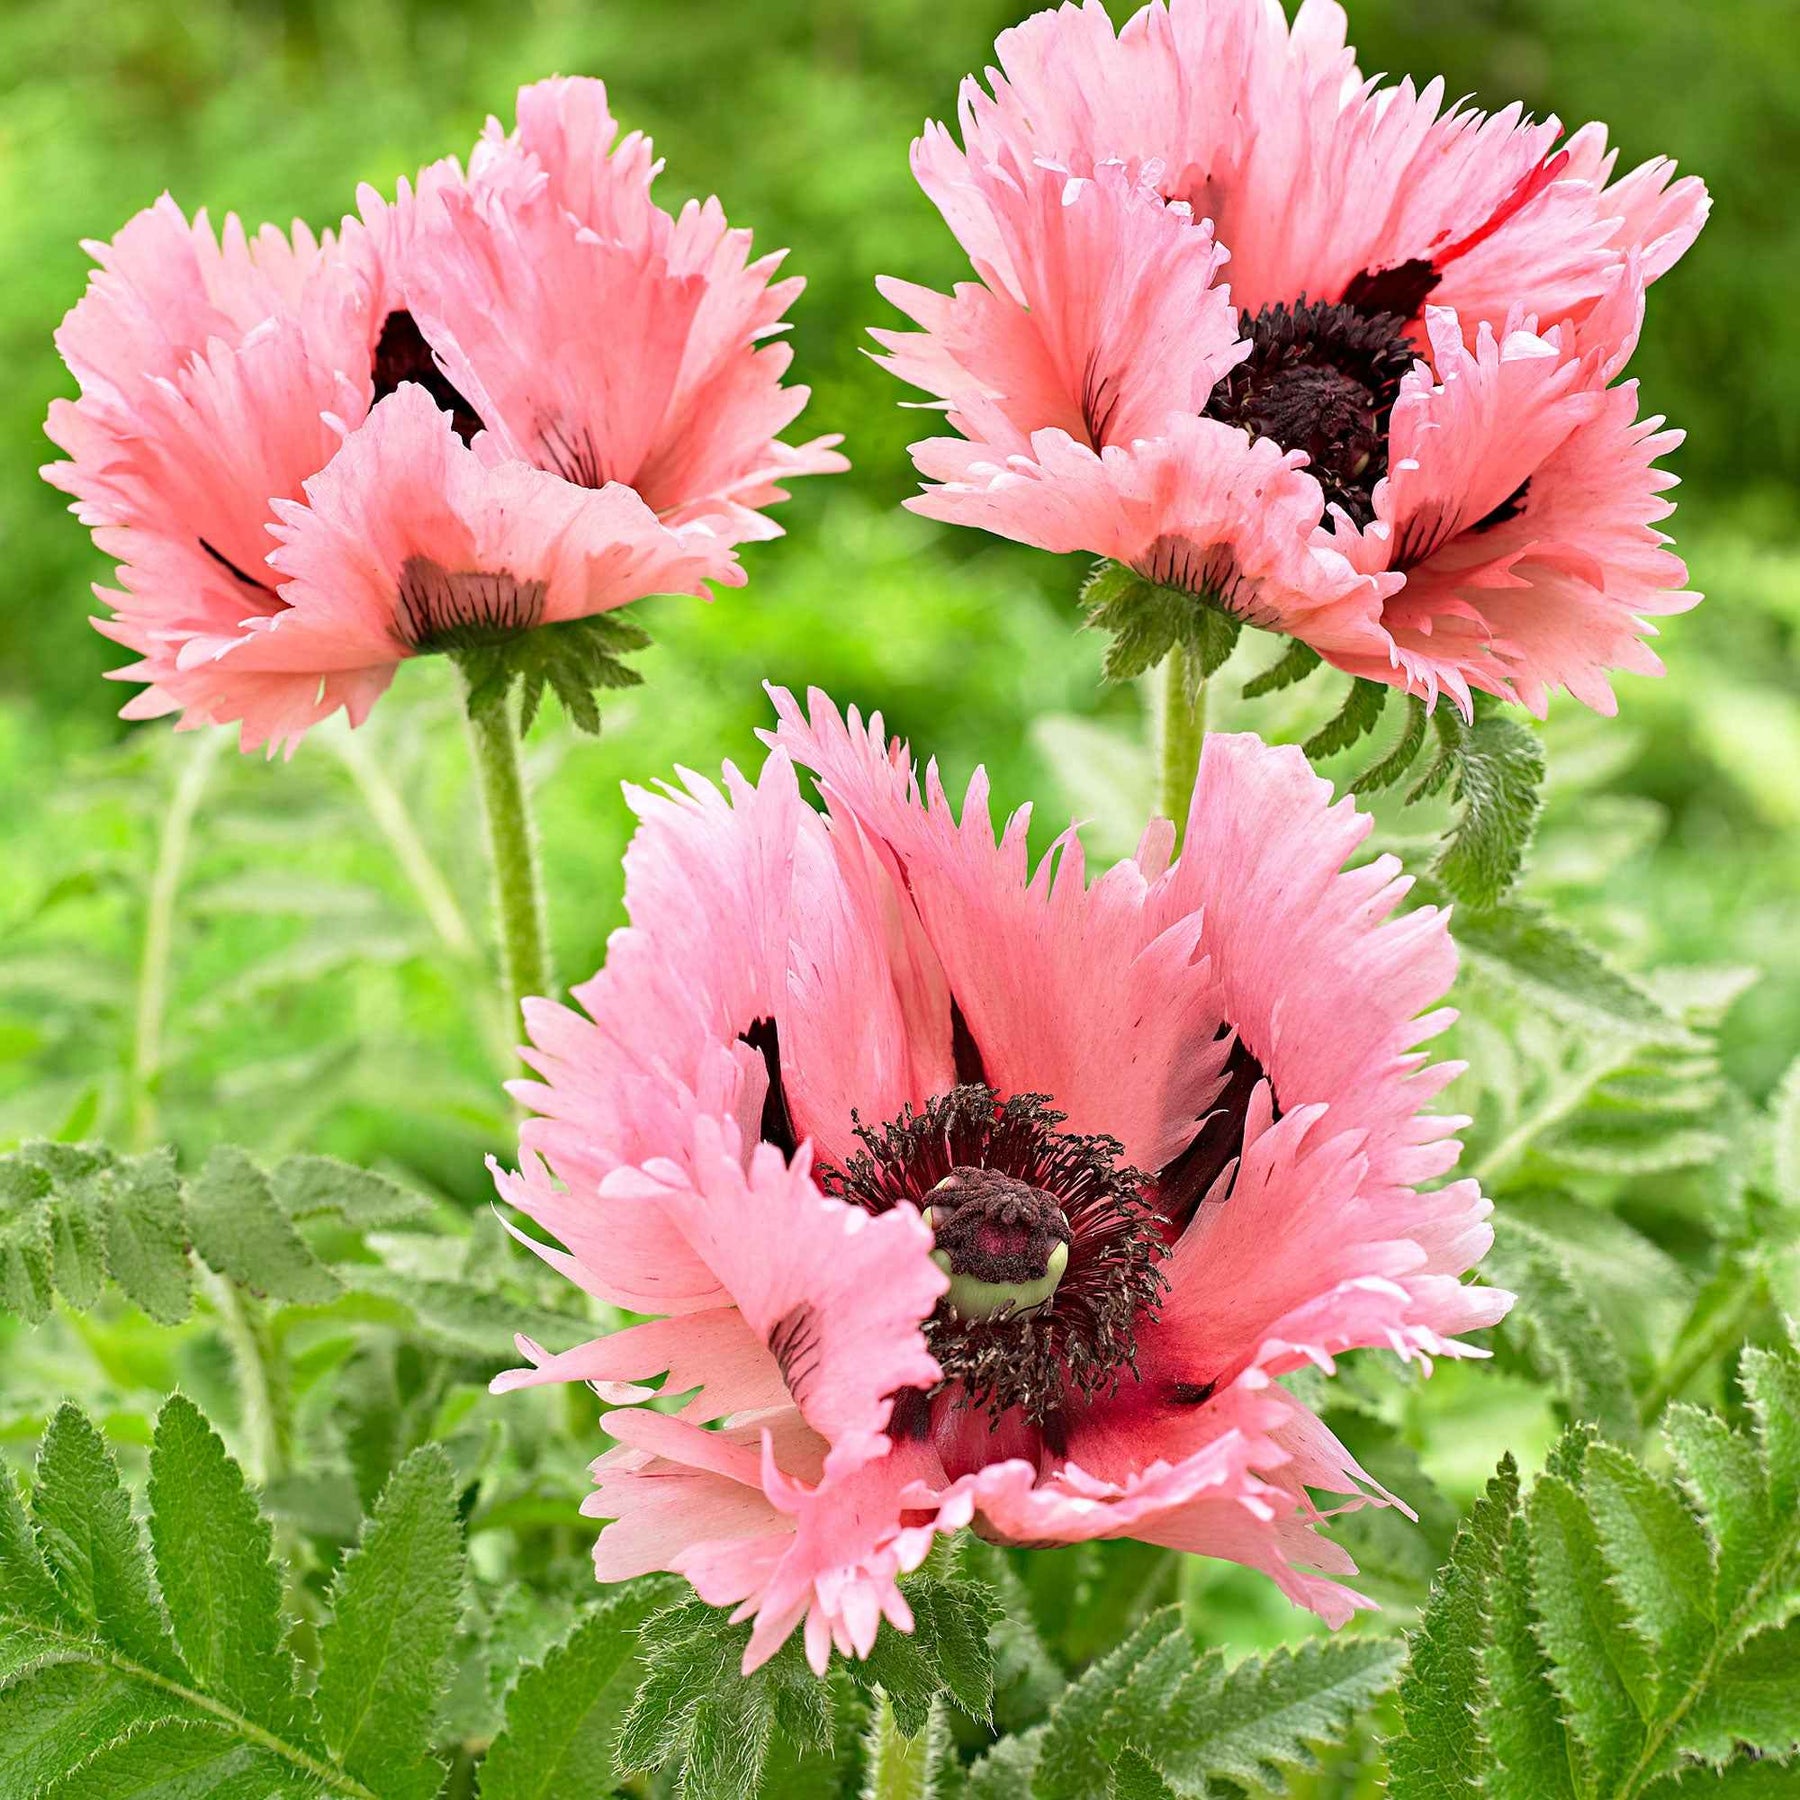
(777,1125)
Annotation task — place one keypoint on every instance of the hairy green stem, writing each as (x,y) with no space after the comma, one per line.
(262,1377)
(159,930)
(1181,730)
(512,852)
(900,1767)
(389,811)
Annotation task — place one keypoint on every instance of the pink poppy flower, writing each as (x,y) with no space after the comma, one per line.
(964,1192)
(554,313)
(1377,242)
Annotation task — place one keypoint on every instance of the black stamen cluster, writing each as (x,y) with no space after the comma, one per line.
(1321,378)
(1081,1342)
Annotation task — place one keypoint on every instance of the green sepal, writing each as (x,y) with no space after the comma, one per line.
(574,659)
(1147,621)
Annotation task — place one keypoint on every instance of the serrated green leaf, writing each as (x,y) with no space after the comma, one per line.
(394,1609)
(574,658)
(1660,1560)
(311,1186)
(28,1594)
(1522,1719)
(1294,664)
(54,1720)
(1356,718)
(1727,1476)
(1264,1716)
(221,1589)
(1599,1664)
(1135,1777)
(25,1260)
(563,1716)
(1754,1700)
(1772,1383)
(1078,1746)
(92,1545)
(179,1759)
(241,1231)
(947,1652)
(147,1237)
(1524,944)
(1560,1331)
(1764,1780)
(1441,1752)
(1388,769)
(695,1704)
(1499,782)
(1147,621)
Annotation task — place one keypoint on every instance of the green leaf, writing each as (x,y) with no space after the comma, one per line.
(1441,1750)
(1266,1713)
(1599,1664)
(71,1212)
(98,1698)
(563,1716)
(222,1591)
(238,1227)
(92,1545)
(1754,1700)
(947,1652)
(1356,718)
(1389,768)
(1007,1770)
(1625,1627)
(1560,1332)
(383,1657)
(1553,964)
(574,658)
(695,1705)
(147,1237)
(56,1718)
(179,1759)
(1147,621)
(1077,1749)
(1765,1780)
(1499,782)
(1523,1720)
(1294,664)
(309,1187)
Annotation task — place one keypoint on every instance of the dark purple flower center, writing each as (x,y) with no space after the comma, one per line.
(402,354)
(1323,379)
(1010,1196)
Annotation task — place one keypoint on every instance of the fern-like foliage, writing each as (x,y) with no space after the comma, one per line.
(73,1215)
(1617,1632)
(117,1666)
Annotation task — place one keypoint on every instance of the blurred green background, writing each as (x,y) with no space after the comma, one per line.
(312,988)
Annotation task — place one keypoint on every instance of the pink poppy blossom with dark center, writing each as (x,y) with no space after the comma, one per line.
(554,315)
(960,1191)
(1424,310)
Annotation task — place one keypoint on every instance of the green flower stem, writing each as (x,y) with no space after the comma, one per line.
(900,1768)
(159,932)
(512,851)
(262,1377)
(1181,732)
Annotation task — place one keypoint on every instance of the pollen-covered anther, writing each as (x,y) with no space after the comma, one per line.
(1003,1243)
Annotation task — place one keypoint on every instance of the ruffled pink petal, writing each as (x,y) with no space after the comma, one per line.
(1289,931)
(1523,507)
(406,535)
(1064,989)
(1204,508)
(678,396)
(757,937)
(834,1293)
(1101,320)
